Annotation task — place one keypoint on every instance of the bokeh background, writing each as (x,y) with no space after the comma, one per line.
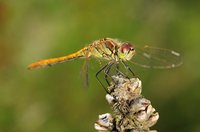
(54,99)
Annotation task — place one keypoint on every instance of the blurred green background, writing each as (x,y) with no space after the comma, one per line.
(54,100)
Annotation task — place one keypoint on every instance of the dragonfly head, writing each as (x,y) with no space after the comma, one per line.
(126,51)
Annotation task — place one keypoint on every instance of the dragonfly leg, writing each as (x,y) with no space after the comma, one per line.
(119,72)
(97,74)
(127,67)
(84,71)
(86,75)
(107,70)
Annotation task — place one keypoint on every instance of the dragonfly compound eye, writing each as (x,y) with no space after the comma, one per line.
(127,47)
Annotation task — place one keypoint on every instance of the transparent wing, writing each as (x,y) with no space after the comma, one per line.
(152,57)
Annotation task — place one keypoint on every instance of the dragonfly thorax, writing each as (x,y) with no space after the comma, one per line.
(112,49)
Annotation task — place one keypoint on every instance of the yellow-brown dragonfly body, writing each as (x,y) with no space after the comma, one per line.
(107,49)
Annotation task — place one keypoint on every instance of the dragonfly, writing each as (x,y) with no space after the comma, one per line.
(115,51)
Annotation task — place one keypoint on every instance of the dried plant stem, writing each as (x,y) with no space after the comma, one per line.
(131,111)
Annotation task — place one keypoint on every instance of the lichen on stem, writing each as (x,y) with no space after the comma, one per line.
(131,111)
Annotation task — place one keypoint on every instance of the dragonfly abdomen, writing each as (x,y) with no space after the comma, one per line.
(52,61)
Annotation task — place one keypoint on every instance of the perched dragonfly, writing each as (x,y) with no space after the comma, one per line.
(115,51)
